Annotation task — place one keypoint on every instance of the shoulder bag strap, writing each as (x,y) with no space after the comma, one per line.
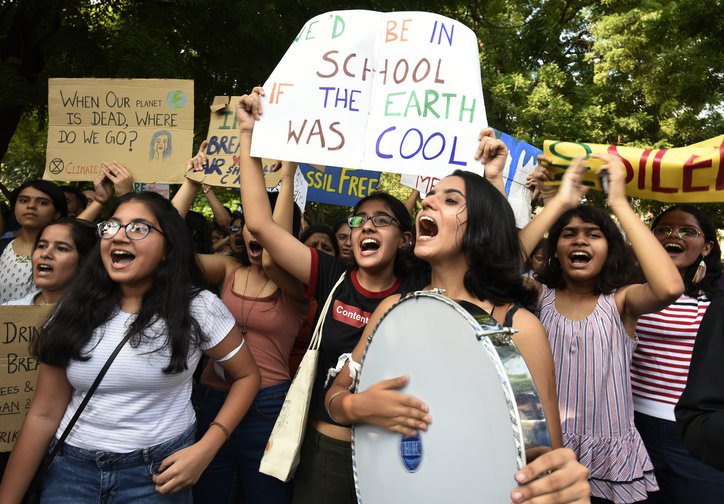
(317,336)
(89,394)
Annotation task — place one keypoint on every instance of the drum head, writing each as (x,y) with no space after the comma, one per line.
(473,446)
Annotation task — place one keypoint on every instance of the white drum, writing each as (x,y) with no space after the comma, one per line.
(479,433)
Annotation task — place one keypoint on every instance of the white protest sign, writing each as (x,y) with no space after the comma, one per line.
(395,92)
(301,186)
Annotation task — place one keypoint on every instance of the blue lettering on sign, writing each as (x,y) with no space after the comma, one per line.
(411,452)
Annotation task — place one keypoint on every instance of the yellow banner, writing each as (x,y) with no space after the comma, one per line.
(693,174)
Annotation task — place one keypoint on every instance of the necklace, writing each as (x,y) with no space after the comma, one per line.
(245,320)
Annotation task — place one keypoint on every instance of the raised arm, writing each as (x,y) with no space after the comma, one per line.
(221,216)
(493,153)
(663,281)
(284,217)
(184,197)
(568,196)
(288,252)
(112,177)
(411,202)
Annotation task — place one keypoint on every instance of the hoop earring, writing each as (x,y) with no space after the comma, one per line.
(553,266)
(700,272)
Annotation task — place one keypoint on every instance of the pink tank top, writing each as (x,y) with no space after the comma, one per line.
(273,323)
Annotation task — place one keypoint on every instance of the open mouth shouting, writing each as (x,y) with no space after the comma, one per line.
(427,228)
(579,258)
(255,249)
(673,248)
(121,258)
(369,246)
(43,269)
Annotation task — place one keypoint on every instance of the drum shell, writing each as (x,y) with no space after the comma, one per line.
(458,462)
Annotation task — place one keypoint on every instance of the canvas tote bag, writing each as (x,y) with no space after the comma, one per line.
(281,456)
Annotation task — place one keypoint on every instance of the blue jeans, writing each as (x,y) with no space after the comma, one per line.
(237,463)
(681,477)
(79,476)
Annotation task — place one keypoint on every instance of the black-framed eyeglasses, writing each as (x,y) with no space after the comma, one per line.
(378,220)
(234,229)
(135,230)
(687,233)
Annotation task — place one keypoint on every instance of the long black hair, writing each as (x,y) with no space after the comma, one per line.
(405,261)
(710,283)
(618,269)
(95,298)
(491,245)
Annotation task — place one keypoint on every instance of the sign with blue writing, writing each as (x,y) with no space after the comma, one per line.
(392,91)
(339,186)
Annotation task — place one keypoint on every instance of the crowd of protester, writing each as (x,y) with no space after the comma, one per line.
(218,315)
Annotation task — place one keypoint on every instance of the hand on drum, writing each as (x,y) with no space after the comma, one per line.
(384,406)
(562,479)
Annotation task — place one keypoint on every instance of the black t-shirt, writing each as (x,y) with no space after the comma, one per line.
(346,318)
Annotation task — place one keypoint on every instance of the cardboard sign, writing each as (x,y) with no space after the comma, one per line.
(222,151)
(692,174)
(19,325)
(339,186)
(145,124)
(393,92)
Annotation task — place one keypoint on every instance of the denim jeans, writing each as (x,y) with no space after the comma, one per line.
(235,469)
(681,477)
(79,476)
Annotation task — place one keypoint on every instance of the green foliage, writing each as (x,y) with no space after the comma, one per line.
(629,72)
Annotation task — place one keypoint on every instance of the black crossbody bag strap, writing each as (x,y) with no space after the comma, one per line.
(49,459)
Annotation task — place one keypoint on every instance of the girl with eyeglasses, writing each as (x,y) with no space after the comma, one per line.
(589,305)
(661,361)
(136,440)
(269,306)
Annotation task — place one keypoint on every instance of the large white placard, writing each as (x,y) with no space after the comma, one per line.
(395,92)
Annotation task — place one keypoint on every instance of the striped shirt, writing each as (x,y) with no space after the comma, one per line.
(592,358)
(661,360)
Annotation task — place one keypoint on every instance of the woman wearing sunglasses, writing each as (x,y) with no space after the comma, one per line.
(136,440)
(269,306)
(661,360)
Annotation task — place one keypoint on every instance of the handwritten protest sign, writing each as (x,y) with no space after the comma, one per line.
(146,124)
(394,92)
(339,186)
(19,325)
(522,160)
(686,174)
(222,151)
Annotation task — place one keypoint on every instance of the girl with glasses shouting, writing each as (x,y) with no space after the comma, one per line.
(661,361)
(136,441)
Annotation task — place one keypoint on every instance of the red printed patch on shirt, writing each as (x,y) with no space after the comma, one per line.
(350,315)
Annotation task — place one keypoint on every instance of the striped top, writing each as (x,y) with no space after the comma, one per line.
(592,358)
(661,361)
